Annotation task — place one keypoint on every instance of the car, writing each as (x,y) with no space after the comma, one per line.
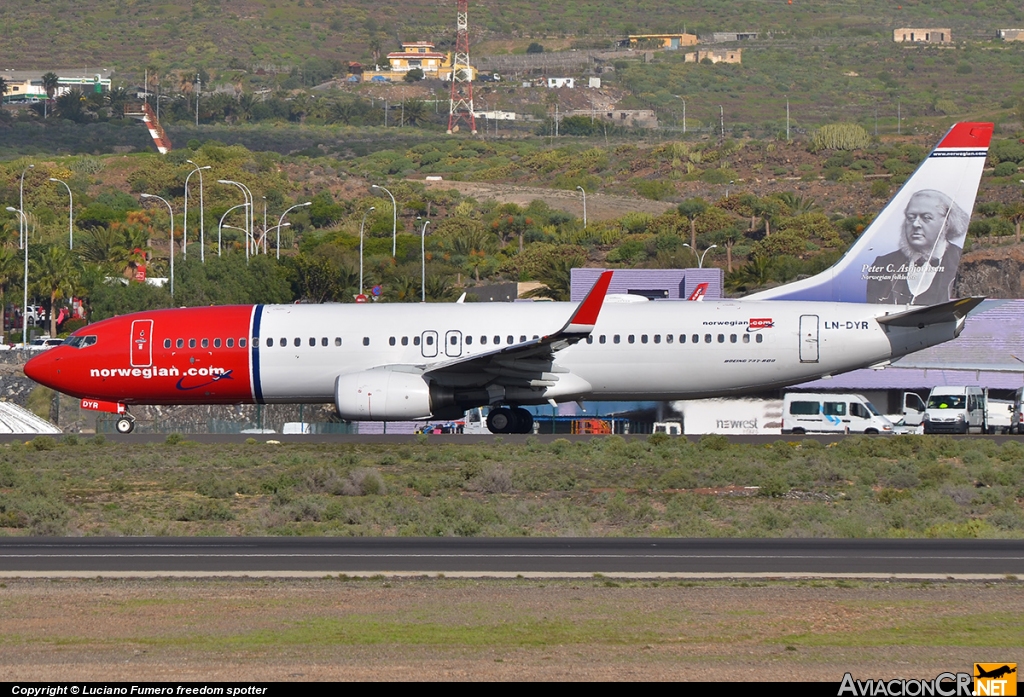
(44,342)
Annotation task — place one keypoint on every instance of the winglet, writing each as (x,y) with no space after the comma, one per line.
(585,317)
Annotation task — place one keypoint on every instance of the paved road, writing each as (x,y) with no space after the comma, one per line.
(509,557)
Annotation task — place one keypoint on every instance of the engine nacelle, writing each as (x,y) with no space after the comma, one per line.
(382,394)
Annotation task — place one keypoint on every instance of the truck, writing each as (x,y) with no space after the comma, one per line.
(956,409)
(745,417)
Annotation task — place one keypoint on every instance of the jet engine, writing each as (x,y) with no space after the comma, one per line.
(384,394)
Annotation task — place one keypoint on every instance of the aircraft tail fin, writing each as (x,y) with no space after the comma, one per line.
(911,252)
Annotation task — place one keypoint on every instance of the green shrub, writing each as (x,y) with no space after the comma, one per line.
(839,136)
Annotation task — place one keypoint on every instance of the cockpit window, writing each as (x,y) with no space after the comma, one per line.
(80,341)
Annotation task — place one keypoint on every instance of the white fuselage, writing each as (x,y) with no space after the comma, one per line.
(656,350)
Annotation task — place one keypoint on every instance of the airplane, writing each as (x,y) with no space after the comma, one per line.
(389,362)
(698,293)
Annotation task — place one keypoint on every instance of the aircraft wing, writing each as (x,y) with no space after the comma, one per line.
(530,363)
(920,317)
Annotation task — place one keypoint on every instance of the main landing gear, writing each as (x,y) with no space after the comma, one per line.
(125,423)
(509,420)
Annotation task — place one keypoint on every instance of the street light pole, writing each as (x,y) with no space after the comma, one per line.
(394,220)
(582,191)
(24,304)
(423,256)
(361,226)
(700,258)
(170,211)
(23,229)
(184,234)
(249,217)
(281,221)
(220,225)
(71,213)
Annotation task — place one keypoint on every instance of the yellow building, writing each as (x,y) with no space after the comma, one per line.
(668,41)
(420,54)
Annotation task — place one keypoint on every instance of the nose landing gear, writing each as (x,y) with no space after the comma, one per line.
(125,424)
(510,420)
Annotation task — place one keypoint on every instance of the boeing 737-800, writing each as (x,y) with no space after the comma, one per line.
(406,362)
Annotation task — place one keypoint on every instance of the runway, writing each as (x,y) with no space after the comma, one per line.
(509,557)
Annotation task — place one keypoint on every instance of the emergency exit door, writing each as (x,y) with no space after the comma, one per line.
(808,338)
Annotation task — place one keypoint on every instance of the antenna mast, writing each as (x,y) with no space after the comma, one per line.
(460,107)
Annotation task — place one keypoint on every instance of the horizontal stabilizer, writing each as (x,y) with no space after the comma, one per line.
(952,311)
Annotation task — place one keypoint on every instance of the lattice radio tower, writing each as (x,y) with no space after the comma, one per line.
(460,107)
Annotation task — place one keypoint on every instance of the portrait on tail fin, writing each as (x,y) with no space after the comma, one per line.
(910,253)
(922,271)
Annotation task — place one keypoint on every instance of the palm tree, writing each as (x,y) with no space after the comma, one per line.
(117,99)
(56,273)
(415,112)
(50,83)
(690,209)
(70,105)
(10,271)
(556,275)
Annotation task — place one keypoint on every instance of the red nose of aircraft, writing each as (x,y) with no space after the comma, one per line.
(43,368)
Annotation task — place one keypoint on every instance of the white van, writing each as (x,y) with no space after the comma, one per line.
(955,409)
(831,413)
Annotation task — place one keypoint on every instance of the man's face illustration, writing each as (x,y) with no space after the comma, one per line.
(922,223)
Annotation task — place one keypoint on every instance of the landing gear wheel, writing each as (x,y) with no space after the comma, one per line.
(125,425)
(523,419)
(501,420)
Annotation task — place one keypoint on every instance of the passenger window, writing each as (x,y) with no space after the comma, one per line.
(707,338)
(657,338)
(483,340)
(535,337)
(231,343)
(312,341)
(590,339)
(510,340)
(179,343)
(241,343)
(391,341)
(835,409)
(721,338)
(760,339)
(732,338)
(695,338)
(337,341)
(643,338)
(216,343)
(167,343)
(366,341)
(682,338)
(430,340)
(746,338)
(206,343)
(255,342)
(859,410)
(270,342)
(453,340)
(405,340)
(616,339)
(283,342)
(469,340)
(668,339)
(191,343)
(415,341)
(805,408)
(522,339)
(497,340)
(602,339)
(323,341)
(631,339)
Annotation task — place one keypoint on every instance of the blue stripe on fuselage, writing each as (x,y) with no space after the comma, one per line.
(257,387)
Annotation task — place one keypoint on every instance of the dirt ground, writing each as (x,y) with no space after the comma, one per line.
(599,206)
(448,629)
